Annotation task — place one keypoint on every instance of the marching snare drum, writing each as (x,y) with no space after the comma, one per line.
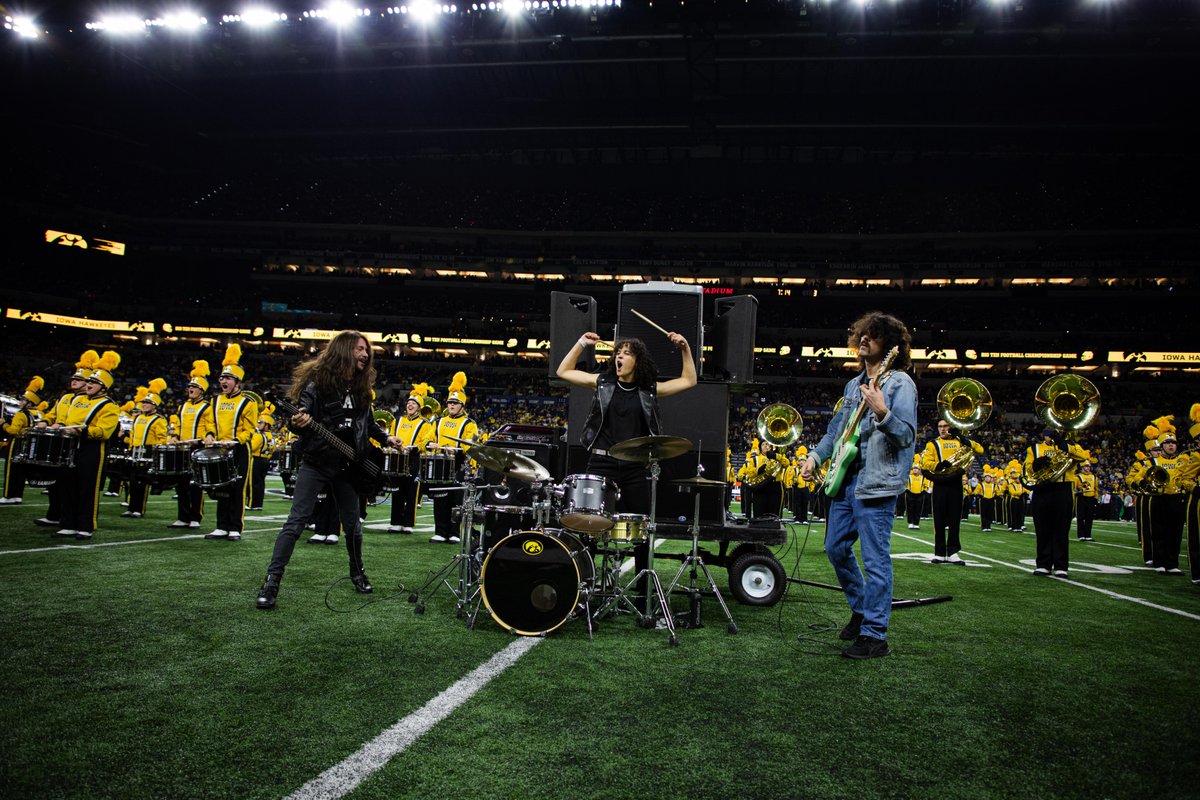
(47,447)
(398,463)
(289,459)
(214,467)
(170,462)
(532,581)
(588,503)
(627,529)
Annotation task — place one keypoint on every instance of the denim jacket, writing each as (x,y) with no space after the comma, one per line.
(886,446)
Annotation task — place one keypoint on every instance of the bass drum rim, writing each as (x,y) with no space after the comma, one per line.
(556,537)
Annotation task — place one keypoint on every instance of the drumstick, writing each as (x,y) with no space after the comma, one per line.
(651,322)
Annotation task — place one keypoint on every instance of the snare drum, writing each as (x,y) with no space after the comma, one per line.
(627,529)
(289,459)
(46,447)
(140,463)
(398,463)
(440,467)
(588,503)
(170,462)
(214,467)
(532,581)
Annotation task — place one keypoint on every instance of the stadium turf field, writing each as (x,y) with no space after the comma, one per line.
(137,667)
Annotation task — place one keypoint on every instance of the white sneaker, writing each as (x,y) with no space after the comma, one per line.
(1041,571)
(406,529)
(194,524)
(937,560)
(454,539)
(1161,570)
(1174,571)
(331,539)
(955,559)
(1060,573)
(178,524)
(235,536)
(65,532)
(438,538)
(4,501)
(217,534)
(136,514)
(83,534)
(317,538)
(394,529)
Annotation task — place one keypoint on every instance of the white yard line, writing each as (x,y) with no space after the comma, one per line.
(1097,589)
(343,777)
(94,545)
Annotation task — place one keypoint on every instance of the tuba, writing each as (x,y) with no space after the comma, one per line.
(966,404)
(430,408)
(779,424)
(385,418)
(1155,481)
(1066,402)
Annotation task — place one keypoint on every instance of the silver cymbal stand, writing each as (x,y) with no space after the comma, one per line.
(650,618)
(694,560)
(466,588)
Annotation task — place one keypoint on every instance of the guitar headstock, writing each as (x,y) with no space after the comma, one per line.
(886,364)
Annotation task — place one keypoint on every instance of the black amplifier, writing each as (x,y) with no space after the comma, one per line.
(544,444)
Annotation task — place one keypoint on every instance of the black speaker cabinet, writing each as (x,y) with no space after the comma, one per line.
(571,316)
(734,324)
(674,307)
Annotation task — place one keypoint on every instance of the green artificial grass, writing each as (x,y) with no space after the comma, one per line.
(143,670)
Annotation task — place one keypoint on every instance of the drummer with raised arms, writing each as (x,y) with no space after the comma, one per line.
(625,407)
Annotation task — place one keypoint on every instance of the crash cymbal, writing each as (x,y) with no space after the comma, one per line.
(646,448)
(511,465)
(696,480)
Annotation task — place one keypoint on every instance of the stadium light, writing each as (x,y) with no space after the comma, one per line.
(423,11)
(258,17)
(184,20)
(118,24)
(24,27)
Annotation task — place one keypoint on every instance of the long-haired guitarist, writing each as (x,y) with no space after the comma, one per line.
(871,440)
(332,396)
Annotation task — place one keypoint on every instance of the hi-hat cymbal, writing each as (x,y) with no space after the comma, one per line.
(511,465)
(650,448)
(696,480)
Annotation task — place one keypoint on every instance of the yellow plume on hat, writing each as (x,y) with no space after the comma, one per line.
(140,394)
(32,390)
(457,384)
(1194,416)
(42,406)
(109,361)
(88,360)
(157,387)
(127,407)
(200,369)
(420,391)
(233,355)
(1150,432)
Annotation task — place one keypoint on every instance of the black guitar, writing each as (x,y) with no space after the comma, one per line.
(365,474)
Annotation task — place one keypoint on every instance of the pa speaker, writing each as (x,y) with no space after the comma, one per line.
(571,316)
(671,306)
(735,320)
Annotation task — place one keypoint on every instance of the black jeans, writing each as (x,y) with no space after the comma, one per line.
(309,482)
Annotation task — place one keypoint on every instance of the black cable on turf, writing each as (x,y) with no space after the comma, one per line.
(401,592)
(815,630)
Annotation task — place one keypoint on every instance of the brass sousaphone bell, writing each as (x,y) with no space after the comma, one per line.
(430,408)
(780,425)
(966,404)
(1066,402)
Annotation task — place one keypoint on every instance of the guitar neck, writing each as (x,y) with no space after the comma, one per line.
(319,429)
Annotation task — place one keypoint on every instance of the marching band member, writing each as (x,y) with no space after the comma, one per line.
(93,418)
(947,491)
(195,425)
(767,491)
(987,493)
(1165,511)
(914,494)
(234,417)
(149,429)
(334,391)
(864,506)
(745,473)
(454,423)
(56,417)
(413,431)
(1050,504)
(1189,480)
(14,475)
(1086,493)
(731,479)
(1133,479)
(262,445)
(1016,497)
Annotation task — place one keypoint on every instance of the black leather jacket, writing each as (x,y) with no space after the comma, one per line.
(606,384)
(353,425)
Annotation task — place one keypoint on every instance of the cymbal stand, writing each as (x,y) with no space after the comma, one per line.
(466,589)
(693,560)
(650,618)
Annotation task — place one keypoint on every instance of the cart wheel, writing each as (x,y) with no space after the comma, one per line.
(743,548)
(757,579)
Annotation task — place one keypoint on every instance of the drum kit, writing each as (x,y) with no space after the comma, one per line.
(540,572)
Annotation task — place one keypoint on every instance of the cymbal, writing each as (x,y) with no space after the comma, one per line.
(511,465)
(647,448)
(696,480)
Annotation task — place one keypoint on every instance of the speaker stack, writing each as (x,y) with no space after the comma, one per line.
(571,316)
(674,307)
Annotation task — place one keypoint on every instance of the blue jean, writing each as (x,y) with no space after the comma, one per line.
(869,522)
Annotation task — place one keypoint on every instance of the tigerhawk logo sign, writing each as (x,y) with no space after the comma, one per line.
(532,547)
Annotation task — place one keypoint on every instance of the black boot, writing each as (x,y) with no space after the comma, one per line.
(358,576)
(266,595)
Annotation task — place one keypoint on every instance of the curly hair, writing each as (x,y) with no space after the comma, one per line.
(890,330)
(645,373)
(331,366)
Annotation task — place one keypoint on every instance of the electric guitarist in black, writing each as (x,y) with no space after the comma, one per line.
(330,406)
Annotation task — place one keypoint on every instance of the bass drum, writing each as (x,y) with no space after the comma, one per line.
(532,581)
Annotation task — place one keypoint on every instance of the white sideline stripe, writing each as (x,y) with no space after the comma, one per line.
(117,544)
(1105,592)
(343,777)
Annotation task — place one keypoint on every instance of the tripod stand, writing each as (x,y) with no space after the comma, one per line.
(693,559)
(466,588)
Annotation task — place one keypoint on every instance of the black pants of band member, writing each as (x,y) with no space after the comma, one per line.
(258,483)
(311,481)
(231,500)
(404,502)
(1166,527)
(1192,514)
(1142,519)
(768,498)
(987,512)
(800,510)
(139,492)
(190,501)
(1016,513)
(81,487)
(1085,513)
(947,516)
(1051,510)
(14,473)
(912,507)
